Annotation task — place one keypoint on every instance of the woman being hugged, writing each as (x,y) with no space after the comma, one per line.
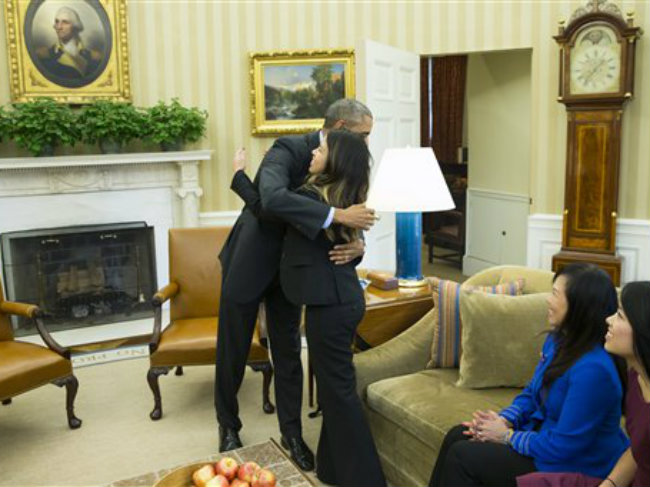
(339,175)
(568,416)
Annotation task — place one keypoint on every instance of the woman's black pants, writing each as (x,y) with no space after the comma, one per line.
(346,454)
(463,463)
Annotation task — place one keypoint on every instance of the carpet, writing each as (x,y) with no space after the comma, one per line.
(112,355)
(117,439)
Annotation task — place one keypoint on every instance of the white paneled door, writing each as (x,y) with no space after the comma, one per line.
(388,81)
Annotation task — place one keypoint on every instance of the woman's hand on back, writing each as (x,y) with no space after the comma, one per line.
(344,253)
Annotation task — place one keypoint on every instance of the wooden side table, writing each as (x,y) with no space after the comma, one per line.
(388,313)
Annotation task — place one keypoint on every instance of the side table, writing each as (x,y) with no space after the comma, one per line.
(388,313)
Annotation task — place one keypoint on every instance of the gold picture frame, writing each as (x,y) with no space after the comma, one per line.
(290,90)
(74,51)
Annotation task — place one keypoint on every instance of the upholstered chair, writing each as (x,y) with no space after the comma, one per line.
(26,366)
(193,294)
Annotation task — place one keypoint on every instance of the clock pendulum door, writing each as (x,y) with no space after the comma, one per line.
(596,80)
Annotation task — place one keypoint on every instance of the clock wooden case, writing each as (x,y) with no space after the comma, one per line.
(596,79)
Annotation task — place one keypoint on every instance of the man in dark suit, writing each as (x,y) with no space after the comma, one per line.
(250,261)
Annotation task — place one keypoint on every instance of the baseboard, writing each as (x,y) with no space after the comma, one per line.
(632,244)
(218,218)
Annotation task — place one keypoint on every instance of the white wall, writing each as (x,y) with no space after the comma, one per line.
(499,125)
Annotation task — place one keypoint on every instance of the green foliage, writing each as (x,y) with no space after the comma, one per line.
(109,120)
(4,124)
(173,122)
(42,123)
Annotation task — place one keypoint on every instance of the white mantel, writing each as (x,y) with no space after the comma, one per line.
(159,188)
(179,171)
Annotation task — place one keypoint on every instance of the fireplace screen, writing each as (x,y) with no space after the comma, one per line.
(81,276)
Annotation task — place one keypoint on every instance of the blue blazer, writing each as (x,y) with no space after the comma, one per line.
(574,425)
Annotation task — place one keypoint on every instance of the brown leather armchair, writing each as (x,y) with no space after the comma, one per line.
(194,291)
(26,366)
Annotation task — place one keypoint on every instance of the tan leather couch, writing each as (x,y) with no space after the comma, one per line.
(410,408)
(193,291)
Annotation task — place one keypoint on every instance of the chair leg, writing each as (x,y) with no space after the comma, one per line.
(267,371)
(152,378)
(179,370)
(6,402)
(71,386)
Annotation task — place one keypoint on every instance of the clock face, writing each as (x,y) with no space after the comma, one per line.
(595,62)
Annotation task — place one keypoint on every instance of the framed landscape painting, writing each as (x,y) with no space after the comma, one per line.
(74,51)
(291,90)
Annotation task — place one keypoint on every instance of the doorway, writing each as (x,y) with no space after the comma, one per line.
(485,154)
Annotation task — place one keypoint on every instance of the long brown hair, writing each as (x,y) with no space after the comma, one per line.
(345,179)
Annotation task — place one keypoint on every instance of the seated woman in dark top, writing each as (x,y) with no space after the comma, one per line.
(568,417)
(628,336)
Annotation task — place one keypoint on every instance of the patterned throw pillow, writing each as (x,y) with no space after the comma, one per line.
(446,347)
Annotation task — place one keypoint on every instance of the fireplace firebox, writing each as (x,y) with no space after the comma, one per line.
(82,275)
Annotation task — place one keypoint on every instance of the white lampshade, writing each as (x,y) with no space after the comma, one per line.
(409,180)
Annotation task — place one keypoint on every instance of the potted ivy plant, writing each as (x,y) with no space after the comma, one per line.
(111,124)
(4,124)
(172,125)
(41,125)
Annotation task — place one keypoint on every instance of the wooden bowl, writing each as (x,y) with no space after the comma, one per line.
(181,476)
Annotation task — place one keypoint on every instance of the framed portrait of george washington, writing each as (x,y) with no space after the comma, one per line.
(291,90)
(74,51)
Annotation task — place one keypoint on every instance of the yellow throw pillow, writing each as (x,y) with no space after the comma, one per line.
(502,337)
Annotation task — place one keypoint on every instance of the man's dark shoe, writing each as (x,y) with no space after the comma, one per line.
(228,439)
(300,452)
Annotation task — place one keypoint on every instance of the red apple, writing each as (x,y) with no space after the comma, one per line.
(264,478)
(239,483)
(201,476)
(218,481)
(227,467)
(247,470)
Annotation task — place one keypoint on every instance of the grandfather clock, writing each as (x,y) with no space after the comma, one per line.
(596,80)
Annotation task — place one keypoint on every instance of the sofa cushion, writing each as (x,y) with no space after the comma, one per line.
(446,346)
(428,403)
(502,337)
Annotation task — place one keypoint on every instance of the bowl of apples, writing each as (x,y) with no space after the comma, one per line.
(224,473)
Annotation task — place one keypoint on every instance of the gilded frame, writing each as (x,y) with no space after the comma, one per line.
(277,68)
(39,66)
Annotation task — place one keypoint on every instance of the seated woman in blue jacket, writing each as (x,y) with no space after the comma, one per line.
(568,417)
(334,305)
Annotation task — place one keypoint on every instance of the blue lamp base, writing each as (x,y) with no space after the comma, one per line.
(408,228)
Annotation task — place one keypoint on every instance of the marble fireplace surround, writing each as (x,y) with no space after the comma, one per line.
(159,188)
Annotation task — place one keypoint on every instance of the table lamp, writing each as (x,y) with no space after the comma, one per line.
(409,181)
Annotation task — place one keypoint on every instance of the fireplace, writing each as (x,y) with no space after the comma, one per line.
(81,275)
